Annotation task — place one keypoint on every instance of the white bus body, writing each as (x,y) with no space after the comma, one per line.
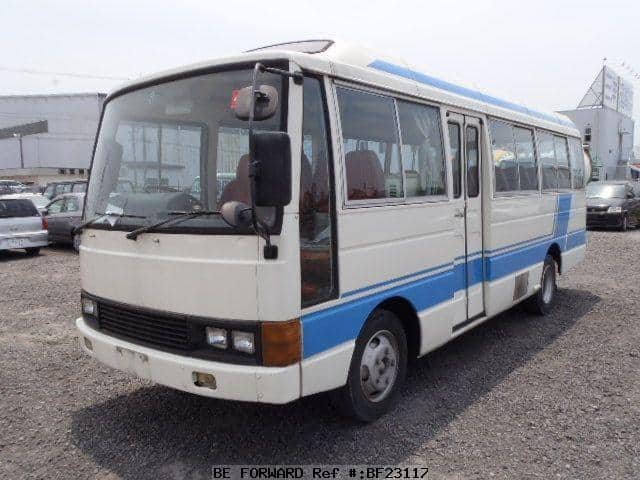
(400,226)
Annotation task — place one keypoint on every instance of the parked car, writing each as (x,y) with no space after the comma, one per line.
(63,214)
(54,189)
(11,186)
(39,200)
(21,226)
(614,204)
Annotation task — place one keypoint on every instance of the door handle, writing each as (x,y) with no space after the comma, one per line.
(459,213)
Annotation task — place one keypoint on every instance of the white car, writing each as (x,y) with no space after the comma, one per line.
(21,226)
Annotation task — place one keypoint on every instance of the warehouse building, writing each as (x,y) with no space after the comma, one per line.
(47,138)
(604,116)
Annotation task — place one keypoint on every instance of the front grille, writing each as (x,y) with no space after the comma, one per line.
(162,330)
(603,208)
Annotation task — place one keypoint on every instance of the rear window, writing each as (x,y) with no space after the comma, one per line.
(17,208)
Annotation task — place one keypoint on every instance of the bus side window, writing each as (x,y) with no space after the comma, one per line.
(371,145)
(577,163)
(548,161)
(562,162)
(505,164)
(456,160)
(317,248)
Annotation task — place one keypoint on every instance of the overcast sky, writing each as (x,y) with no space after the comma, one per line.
(543,53)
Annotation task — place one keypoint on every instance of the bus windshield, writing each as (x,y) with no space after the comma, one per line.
(175,146)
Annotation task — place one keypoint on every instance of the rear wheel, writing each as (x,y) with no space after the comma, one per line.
(377,370)
(542,302)
(32,252)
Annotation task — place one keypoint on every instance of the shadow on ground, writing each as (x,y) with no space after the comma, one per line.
(156,432)
(18,255)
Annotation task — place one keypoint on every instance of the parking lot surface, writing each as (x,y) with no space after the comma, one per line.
(518,397)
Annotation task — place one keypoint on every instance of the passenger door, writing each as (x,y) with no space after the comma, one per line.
(465,134)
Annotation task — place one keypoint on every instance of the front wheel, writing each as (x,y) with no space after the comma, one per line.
(624,226)
(542,302)
(377,370)
(76,242)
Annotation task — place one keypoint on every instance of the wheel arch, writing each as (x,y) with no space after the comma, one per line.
(408,316)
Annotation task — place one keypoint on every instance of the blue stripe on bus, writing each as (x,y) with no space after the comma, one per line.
(463,91)
(331,327)
(335,325)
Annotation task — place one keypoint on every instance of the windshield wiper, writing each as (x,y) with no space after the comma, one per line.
(179,216)
(101,216)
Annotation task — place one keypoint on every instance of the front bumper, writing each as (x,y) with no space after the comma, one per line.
(24,240)
(604,219)
(233,382)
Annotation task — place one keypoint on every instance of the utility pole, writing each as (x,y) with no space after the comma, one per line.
(19,137)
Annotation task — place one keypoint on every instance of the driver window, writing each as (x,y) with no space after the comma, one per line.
(317,249)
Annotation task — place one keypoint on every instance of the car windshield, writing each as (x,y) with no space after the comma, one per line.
(17,208)
(176,146)
(606,191)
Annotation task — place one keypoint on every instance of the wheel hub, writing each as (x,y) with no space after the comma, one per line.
(379,365)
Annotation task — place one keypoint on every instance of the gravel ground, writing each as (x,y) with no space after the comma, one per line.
(518,397)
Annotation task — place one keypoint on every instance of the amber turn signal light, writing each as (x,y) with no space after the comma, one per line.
(281,345)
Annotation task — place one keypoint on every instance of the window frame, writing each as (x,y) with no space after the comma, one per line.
(395,97)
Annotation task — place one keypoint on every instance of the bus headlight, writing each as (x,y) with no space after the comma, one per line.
(89,307)
(244,342)
(216,337)
(615,210)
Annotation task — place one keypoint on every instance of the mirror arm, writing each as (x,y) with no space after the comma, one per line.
(297,76)
(270,251)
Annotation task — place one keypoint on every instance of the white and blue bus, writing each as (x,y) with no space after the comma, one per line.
(374,213)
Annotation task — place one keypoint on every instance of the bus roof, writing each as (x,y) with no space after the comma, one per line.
(353,63)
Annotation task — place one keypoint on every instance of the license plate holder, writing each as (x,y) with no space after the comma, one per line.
(132,362)
(15,242)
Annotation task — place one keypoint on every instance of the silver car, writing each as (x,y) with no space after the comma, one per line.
(21,226)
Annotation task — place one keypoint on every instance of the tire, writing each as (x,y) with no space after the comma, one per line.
(76,243)
(625,224)
(382,343)
(33,251)
(542,302)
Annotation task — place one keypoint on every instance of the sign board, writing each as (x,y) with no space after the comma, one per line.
(609,90)
(625,97)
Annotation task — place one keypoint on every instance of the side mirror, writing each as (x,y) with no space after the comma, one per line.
(266,103)
(272,169)
(236,214)
(45,211)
